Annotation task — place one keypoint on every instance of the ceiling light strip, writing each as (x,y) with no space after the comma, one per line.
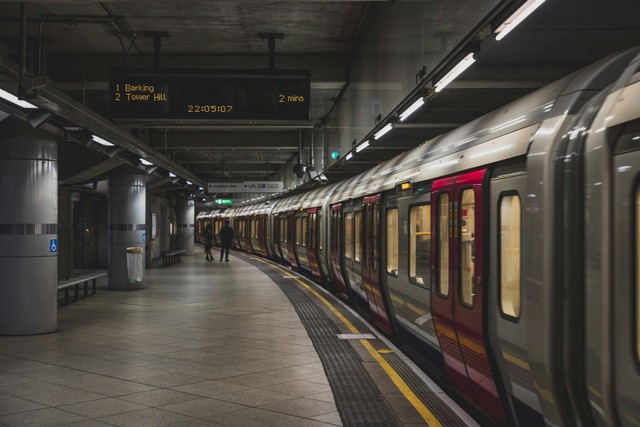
(460,67)
(518,16)
(383,131)
(412,109)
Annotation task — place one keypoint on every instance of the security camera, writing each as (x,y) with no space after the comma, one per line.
(300,170)
(323,179)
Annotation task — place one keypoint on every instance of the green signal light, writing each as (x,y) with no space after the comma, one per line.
(335,155)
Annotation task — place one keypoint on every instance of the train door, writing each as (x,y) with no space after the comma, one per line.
(312,244)
(459,299)
(283,239)
(508,309)
(353,252)
(322,260)
(625,287)
(237,226)
(252,234)
(246,234)
(301,243)
(371,262)
(262,235)
(216,231)
(291,239)
(336,251)
(275,237)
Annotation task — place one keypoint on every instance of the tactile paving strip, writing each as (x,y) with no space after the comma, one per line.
(357,397)
(440,409)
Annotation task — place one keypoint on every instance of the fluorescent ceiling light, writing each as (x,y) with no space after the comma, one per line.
(518,16)
(14,100)
(362,146)
(145,162)
(383,131)
(101,141)
(349,156)
(412,109)
(172,175)
(189,183)
(455,71)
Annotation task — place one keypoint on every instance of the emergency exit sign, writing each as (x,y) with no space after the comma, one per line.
(223,201)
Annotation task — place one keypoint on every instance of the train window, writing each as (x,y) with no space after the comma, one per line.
(392,241)
(305,230)
(348,235)
(509,260)
(357,231)
(443,244)
(420,245)
(467,247)
(637,266)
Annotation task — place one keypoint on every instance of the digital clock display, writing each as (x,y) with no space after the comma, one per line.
(141,94)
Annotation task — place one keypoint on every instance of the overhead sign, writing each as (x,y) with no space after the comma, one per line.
(223,201)
(263,186)
(245,187)
(224,187)
(209,95)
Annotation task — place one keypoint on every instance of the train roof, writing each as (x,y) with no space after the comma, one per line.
(502,134)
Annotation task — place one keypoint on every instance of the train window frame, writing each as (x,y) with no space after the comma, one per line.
(439,251)
(412,279)
(503,314)
(388,210)
(459,230)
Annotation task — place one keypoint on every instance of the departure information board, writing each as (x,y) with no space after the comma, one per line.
(139,94)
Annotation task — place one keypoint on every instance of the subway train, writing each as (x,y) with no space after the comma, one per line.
(501,256)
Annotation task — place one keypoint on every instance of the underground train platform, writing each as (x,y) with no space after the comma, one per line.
(242,343)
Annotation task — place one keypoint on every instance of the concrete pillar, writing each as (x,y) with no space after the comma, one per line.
(28,232)
(127,227)
(186,226)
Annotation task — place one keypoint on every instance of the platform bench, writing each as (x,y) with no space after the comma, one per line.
(172,256)
(66,285)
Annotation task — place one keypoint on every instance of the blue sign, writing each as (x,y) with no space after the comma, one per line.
(144,237)
(53,246)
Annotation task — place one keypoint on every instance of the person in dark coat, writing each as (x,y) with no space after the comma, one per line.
(226,237)
(208,242)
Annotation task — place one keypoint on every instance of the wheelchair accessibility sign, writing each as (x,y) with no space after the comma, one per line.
(53,246)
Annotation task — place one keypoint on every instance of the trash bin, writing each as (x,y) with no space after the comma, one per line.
(135,264)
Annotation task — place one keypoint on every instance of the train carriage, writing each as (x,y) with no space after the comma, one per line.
(503,254)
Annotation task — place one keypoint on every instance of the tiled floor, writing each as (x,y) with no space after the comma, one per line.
(206,343)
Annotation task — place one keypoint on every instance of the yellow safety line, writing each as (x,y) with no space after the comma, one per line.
(424,412)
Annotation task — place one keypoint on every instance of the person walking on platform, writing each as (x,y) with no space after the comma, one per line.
(226,237)
(208,239)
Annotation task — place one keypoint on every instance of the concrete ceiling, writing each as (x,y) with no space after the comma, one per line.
(81,41)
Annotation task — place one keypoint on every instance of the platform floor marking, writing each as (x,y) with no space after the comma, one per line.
(422,409)
(356,336)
